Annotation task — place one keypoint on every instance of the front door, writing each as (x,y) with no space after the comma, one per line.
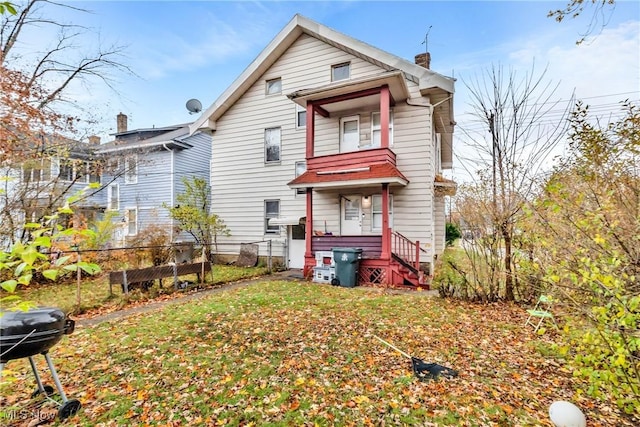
(296,246)
(349,134)
(350,216)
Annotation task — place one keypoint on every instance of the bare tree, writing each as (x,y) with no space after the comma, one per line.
(38,116)
(518,126)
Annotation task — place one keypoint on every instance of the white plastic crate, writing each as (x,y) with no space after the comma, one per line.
(324,259)
(324,274)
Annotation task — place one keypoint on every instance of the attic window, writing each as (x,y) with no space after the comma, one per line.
(340,71)
(274,86)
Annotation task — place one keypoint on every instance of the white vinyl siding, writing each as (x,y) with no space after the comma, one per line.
(241,181)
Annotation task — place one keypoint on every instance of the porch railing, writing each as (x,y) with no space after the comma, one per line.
(405,249)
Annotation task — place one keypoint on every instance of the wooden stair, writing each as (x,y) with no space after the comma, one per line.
(406,262)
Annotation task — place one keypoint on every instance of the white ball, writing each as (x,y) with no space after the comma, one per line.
(566,414)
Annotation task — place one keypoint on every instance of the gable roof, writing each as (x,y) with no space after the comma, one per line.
(174,137)
(429,82)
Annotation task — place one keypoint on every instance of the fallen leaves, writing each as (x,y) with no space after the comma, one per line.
(288,353)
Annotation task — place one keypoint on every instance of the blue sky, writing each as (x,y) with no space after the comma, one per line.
(182,50)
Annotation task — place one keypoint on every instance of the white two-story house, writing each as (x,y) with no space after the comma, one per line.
(325,141)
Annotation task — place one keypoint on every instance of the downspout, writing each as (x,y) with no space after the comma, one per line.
(172,191)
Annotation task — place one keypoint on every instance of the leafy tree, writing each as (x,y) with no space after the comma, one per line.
(193,215)
(7,7)
(585,235)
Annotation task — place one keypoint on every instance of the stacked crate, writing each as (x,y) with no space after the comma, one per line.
(325,269)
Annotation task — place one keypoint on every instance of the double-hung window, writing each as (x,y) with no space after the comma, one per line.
(131,169)
(272,145)
(301,117)
(271,210)
(376,130)
(376,212)
(131,216)
(301,167)
(113,197)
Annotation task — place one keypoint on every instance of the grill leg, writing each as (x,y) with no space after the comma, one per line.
(54,374)
(37,375)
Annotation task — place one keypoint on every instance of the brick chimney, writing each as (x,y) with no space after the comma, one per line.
(424,60)
(122,122)
(94,140)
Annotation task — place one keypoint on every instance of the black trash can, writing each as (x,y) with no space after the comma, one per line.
(347,262)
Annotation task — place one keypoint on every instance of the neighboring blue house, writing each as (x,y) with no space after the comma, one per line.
(34,188)
(144,170)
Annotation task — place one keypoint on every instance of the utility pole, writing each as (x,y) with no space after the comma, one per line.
(494,142)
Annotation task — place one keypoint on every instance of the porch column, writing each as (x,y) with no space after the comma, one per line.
(386,232)
(308,229)
(385,102)
(310,130)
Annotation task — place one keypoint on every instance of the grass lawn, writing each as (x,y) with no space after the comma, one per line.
(95,296)
(297,353)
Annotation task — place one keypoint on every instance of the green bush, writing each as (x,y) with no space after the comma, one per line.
(452,232)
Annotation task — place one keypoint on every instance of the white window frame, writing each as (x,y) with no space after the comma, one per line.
(131,171)
(129,222)
(300,109)
(271,229)
(341,65)
(300,168)
(66,163)
(378,128)
(110,202)
(271,88)
(268,134)
(375,212)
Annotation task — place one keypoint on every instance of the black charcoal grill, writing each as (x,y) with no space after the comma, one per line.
(32,332)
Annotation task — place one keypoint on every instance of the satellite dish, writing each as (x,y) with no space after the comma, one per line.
(194,106)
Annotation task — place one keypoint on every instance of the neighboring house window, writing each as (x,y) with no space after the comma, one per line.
(66,170)
(131,216)
(93,172)
(301,167)
(36,171)
(274,86)
(375,129)
(376,212)
(301,117)
(340,71)
(271,210)
(113,197)
(272,145)
(131,169)
(113,165)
